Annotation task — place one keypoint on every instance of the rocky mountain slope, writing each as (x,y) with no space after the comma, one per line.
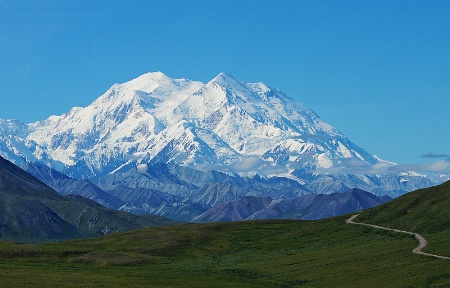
(185,194)
(31,211)
(66,185)
(168,190)
(306,207)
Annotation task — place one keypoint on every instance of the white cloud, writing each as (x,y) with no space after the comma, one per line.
(440,167)
(359,167)
(256,164)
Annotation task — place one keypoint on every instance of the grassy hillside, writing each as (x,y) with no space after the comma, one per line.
(424,210)
(326,253)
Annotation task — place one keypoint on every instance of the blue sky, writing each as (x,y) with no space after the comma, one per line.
(379,71)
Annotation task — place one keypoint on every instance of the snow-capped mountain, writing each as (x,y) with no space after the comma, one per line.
(225,125)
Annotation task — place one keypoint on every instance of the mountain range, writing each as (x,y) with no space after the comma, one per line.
(306,207)
(31,211)
(224,150)
(186,194)
(225,125)
(218,151)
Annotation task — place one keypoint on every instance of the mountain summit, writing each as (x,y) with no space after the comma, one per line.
(225,125)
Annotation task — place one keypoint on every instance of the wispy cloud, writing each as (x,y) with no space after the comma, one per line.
(433,155)
(254,163)
(361,168)
(440,167)
(248,165)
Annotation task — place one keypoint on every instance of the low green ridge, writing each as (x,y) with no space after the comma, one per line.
(422,211)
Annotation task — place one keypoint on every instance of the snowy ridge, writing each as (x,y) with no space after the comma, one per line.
(224,125)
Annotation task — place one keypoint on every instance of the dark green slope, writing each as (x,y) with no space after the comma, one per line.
(30,211)
(92,219)
(284,253)
(16,182)
(24,219)
(23,215)
(422,211)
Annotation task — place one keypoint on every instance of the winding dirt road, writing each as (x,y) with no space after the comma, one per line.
(418,250)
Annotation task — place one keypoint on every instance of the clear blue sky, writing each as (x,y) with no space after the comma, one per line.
(379,71)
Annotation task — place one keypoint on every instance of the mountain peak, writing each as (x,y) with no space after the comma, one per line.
(148,82)
(243,127)
(158,75)
(224,75)
(224,79)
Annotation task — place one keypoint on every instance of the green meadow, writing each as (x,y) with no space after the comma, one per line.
(325,253)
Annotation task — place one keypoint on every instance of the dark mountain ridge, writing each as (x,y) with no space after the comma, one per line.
(185,194)
(306,207)
(30,211)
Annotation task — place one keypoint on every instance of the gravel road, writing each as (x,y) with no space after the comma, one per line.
(418,250)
